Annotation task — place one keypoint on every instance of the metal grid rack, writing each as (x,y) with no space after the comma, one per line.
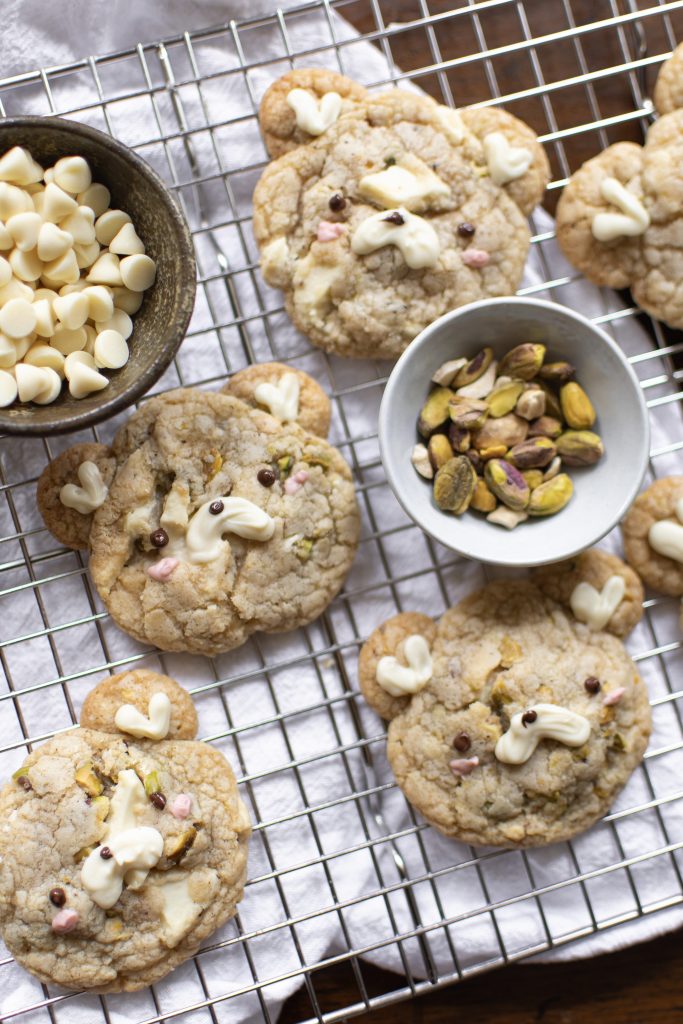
(59,640)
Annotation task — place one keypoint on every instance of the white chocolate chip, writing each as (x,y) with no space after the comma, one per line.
(91,337)
(72,310)
(24,228)
(52,387)
(107,270)
(72,173)
(100,303)
(13,200)
(52,242)
(49,175)
(56,203)
(84,380)
(108,225)
(22,345)
(314,115)
(118,321)
(97,197)
(77,286)
(633,219)
(126,242)
(18,166)
(596,607)
(41,354)
(414,236)
(6,240)
(83,358)
(86,255)
(137,272)
(8,388)
(17,318)
(15,289)
(31,380)
(45,320)
(127,300)
(80,225)
(8,352)
(5,272)
(25,265)
(111,350)
(409,182)
(66,341)
(64,269)
(505,162)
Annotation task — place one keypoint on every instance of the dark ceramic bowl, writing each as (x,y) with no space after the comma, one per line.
(160,324)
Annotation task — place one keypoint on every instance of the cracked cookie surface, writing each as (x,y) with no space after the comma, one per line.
(498,652)
(60,807)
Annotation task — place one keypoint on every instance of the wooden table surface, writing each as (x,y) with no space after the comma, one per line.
(642,984)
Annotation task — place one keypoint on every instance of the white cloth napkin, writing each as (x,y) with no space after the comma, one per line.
(323,877)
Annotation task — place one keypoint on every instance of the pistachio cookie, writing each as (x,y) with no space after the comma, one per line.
(120,850)
(517,725)
(193,468)
(70,488)
(653,535)
(598,588)
(618,217)
(396,214)
(290,395)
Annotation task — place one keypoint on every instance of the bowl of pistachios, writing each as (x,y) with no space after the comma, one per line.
(514,431)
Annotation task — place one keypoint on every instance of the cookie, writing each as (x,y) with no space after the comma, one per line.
(618,216)
(137,688)
(653,535)
(70,523)
(597,587)
(519,724)
(220,521)
(288,121)
(120,850)
(388,641)
(392,218)
(290,395)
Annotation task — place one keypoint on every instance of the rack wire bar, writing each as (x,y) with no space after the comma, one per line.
(327,810)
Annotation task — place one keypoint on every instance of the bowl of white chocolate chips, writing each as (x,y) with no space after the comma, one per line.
(97,276)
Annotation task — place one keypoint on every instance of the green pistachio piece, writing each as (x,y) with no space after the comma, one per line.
(534,453)
(482,498)
(580,447)
(454,485)
(440,450)
(523,361)
(152,783)
(284,464)
(545,426)
(469,413)
(180,845)
(474,369)
(577,408)
(503,398)
(507,483)
(434,412)
(557,373)
(87,777)
(551,496)
(303,548)
(460,438)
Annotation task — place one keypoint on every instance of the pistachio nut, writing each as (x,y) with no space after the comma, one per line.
(480,388)
(507,483)
(176,847)
(448,371)
(507,430)
(534,453)
(552,402)
(545,426)
(557,373)
(580,447)
(439,449)
(507,517)
(469,413)
(482,499)
(454,485)
(87,777)
(459,438)
(576,406)
(551,496)
(420,459)
(496,451)
(476,460)
(553,469)
(503,398)
(434,412)
(534,477)
(303,548)
(531,403)
(474,368)
(523,361)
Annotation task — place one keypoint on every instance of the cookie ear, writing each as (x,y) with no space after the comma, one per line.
(288,394)
(387,641)
(156,707)
(668,94)
(71,488)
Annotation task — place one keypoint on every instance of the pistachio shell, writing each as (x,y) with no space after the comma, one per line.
(534,453)
(507,483)
(577,408)
(474,368)
(523,361)
(454,485)
(439,449)
(434,412)
(551,496)
(580,447)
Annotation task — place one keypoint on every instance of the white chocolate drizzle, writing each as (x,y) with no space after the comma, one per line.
(409,182)
(282,399)
(416,239)
(505,161)
(153,726)
(666,537)
(398,679)
(552,722)
(312,115)
(90,495)
(633,219)
(203,537)
(594,607)
(451,123)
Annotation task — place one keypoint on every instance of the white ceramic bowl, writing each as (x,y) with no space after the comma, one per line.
(602,493)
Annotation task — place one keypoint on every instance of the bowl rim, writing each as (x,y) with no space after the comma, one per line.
(110,407)
(541,306)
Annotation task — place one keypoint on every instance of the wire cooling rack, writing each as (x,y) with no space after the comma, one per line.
(57,640)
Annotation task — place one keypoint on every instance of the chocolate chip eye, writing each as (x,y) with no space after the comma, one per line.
(158,538)
(528,718)
(58,897)
(592,685)
(462,742)
(395,218)
(266,477)
(466,230)
(337,202)
(105,853)
(22,781)
(216,507)
(158,800)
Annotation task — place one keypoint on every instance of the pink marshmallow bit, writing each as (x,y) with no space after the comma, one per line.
(163,569)
(475,257)
(293,483)
(65,921)
(463,765)
(328,231)
(614,696)
(181,806)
